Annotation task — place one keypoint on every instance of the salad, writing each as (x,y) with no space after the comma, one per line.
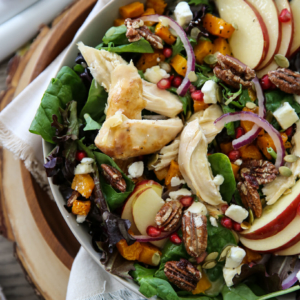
(177,141)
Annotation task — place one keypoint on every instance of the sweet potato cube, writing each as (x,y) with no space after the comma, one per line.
(202,49)
(81,208)
(247,125)
(150,255)
(158,5)
(119,22)
(251,152)
(162,174)
(173,172)
(235,169)
(222,46)
(149,60)
(226,147)
(200,105)
(179,63)
(84,184)
(164,33)
(217,26)
(132,10)
(203,285)
(149,11)
(250,256)
(131,252)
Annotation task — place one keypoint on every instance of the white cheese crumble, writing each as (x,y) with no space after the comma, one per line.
(179,193)
(285,115)
(87,160)
(136,169)
(235,257)
(80,218)
(85,167)
(198,208)
(213,221)
(175,181)
(155,74)
(210,90)
(218,180)
(238,162)
(228,274)
(236,213)
(183,14)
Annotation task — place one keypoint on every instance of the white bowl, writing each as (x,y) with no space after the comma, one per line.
(91,36)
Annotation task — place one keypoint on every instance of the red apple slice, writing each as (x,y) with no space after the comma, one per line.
(127,212)
(269,14)
(275,217)
(284,239)
(287,30)
(295,7)
(250,41)
(294,250)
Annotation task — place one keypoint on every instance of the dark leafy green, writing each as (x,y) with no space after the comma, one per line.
(141,46)
(220,164)
(116,35)
(201,79)
(185,100)
(229,126)
(90,123)
(229,95)
(177,47)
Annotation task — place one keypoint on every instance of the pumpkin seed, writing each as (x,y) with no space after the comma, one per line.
(236,236)
(165,66)
(195,32)
(288,191)
(285,171)
(291,158)
(152,160)
(251,216)
(199,268)
(263,202)
(252,95)
(192,76)
(225,252)
(281,61)
(209,264)
(210,59)
(245,225)
(192,260)
(251,105)
(211,256)
(188,115)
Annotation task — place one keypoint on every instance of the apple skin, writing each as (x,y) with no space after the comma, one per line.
(293,250)
(295,47)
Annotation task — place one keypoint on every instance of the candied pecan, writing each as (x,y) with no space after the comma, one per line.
(183,274)
(114,177)
(232,72)
(286,80)
(73,197)
(136,30)
(169,215)
(194,233)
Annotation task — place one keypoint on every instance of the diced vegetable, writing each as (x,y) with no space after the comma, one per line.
(203,285)
(200,105)
(150,255)
(217,26)
(164,33)
(251,256)
(173,172)
(81,208)
(119,22)
(248,125)
(202,49)
(149,60)
(149,11)
(226,147)
(251,152)
(132,10)
(131,252)
(222,46)
(84,184)
(179,63)
(158,5)
(162,174)
(235,169)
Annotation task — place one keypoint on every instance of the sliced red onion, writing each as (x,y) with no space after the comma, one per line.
(183,88)
(251,135)
(249,116)
(292,278)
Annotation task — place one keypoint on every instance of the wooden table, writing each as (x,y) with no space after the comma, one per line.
(43,243)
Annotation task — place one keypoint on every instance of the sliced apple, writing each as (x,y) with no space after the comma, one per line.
(293,250)
(127,211)
(287,32)
(284,239)
(250,41)
(144,209)
(295,7)
(275,217)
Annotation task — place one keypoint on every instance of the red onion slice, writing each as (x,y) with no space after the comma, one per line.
(183,88)
(251,135)
(249,116)
(292,278)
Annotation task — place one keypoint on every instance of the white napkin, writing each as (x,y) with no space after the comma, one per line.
(87,280)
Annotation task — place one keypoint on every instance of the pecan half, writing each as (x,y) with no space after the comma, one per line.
(73,197)
(232,72)
(114,177)
(286,80)
(136,30)
(183,274)
(169,215)
(194,233)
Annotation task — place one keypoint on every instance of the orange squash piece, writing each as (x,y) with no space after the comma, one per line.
(179,63)
(158,5)
(250,256)
(81,208)
(150,254)
(202,49)
(203,285)
(119,22)
(164,33)
(226,147)
(162,174)
(173,172)
(84,184)
(217,26)
(251,152)
(131,252)
(132,10)
(149,11)
(235,169)
(149,60)
(247,125)
(200,105)
(222,46)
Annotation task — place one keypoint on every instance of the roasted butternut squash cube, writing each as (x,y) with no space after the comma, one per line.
(173,172)
(203,285)
(179,64)
(132,10)
(226,147)
(247,125)
(119,22)
(84,184)
(222,46)
(162,174)
(217,26)
(164,33)
(200,105)
(202,49)
(150,255)
(81,208)
(235,169)
(250,256)
(149,60)
(158,5)
(149,11)
(251,152)
(131,252)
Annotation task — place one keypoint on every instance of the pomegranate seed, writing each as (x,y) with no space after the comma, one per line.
(175,239)
(237,227)
(167,52)
(266,83)
(192,89)
(224,207)
(239,132)
(226,222)
(80,155)
(285,16)
(186,201)
(171,77)
(197,96)
(176,82)
(289,131)
(164,84)
(153,231)
(234,155)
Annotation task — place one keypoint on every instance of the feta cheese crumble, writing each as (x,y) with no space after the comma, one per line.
(210,90)
(236,213)
(136,169)
(228,274)
(155,74)
(218,180)
(175,181)
(213,221)
(183,14)
(235,257)
(181,192)
(85,166)
(285,115)
(198,208)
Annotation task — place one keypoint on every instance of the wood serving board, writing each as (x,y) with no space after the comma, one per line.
(45,245)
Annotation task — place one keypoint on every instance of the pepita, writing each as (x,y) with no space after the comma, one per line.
(236,236)
(209,264)
(285,171)
(192,260)
(251,216)
(252,94)
(211,256)
(192,76)
(245,225)
(188,115)
(281,61)
(250,105)
(263,202)
(199,268)
(288,191)
(291,158)
(195,32)
(225,252)
(210,59)
(152,160)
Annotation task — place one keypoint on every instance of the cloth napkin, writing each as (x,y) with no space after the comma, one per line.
(87,280)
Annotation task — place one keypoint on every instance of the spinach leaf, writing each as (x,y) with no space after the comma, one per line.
(86,149)
(201,79)
(185,100)
(96,102)
(220,164)
(205,69)
(151,286)
(141,46)
(113,198)
(229,95)
(90,123)
(177,47)
(116,35)
(229,126)
(216,274)
(274,99)
(244,98)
